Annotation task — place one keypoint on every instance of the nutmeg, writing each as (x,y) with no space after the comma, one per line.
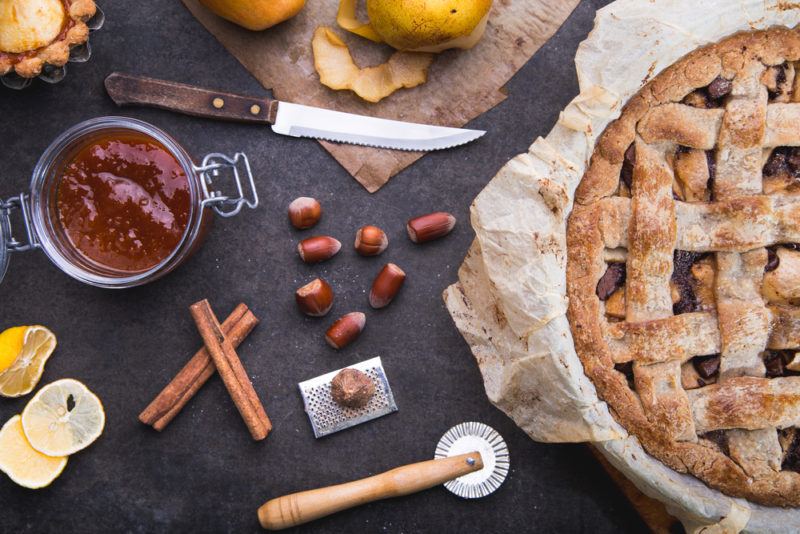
(318,248)
(371,241)
(304,212)
(315,298)
(386,285)
(431,226)
(345,330)
(352,388)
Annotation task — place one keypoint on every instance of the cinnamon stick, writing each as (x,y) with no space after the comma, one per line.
(231,371)
(168,404)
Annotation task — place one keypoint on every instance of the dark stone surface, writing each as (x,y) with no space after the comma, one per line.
(204,473)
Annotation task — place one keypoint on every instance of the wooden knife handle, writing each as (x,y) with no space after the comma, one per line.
(129,90)
(298,508)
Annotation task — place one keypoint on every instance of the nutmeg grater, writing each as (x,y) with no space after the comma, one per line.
(327,416)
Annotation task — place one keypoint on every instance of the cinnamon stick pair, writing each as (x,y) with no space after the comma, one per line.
(220,342)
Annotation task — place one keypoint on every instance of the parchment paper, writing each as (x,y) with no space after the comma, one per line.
(510,300)
(461,84)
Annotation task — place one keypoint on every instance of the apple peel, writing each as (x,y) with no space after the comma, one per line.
(337,70)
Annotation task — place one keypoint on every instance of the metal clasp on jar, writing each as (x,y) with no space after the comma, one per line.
(210,171)
(6,208)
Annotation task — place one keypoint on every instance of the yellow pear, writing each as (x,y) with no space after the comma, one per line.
(255,15)
(419,25)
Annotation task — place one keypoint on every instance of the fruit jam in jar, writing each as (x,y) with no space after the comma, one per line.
(115,202)
(124,201)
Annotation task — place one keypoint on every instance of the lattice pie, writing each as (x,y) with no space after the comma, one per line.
(683,267)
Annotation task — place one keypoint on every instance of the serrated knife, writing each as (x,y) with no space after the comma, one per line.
(285,118)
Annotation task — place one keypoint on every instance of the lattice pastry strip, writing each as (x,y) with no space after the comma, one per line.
(741,135)
(743,316)
(651,239)
(758,452)
(688,126)
(744,319)
(684,336)
(736,225)
(747,403)
(647,290)
(744,322)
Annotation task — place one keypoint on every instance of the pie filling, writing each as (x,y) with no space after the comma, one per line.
(688,219)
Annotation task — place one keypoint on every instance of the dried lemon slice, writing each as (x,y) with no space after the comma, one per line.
(11,343)
(63,418)
(22,463)
(25,350)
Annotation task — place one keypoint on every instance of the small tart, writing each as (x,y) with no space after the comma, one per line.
(29,24)
(34,33)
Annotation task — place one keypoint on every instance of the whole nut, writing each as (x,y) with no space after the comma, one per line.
(371,241)
(315,298)
(352,388)
(386,285)
(318,248)
(345,330)
(431,226)
(304,212)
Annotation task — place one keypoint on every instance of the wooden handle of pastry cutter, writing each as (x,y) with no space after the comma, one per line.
(298,508)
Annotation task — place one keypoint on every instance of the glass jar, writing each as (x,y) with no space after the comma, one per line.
(43,228)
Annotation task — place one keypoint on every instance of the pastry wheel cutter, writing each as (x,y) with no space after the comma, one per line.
(327,416)
(471,460)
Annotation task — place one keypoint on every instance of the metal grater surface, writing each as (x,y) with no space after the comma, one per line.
(327,416)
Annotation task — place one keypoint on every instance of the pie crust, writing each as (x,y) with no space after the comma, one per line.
(693,200)
(34,33)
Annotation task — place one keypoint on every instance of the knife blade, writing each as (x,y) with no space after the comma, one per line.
(285,118)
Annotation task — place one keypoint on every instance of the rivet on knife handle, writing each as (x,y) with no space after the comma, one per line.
(126,89)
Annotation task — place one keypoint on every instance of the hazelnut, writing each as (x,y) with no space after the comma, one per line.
(431,226)
(304,212)
(371,241)
(345,330)
(386,285)
(318,248)
(315,298)
(352,388)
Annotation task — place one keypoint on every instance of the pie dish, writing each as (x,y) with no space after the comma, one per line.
(35,33)
(683,273)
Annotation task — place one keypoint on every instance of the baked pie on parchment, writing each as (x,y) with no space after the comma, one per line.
(683,273)
(635,278)
(35,33)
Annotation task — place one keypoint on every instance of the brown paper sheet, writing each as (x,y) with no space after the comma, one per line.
(461,84)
